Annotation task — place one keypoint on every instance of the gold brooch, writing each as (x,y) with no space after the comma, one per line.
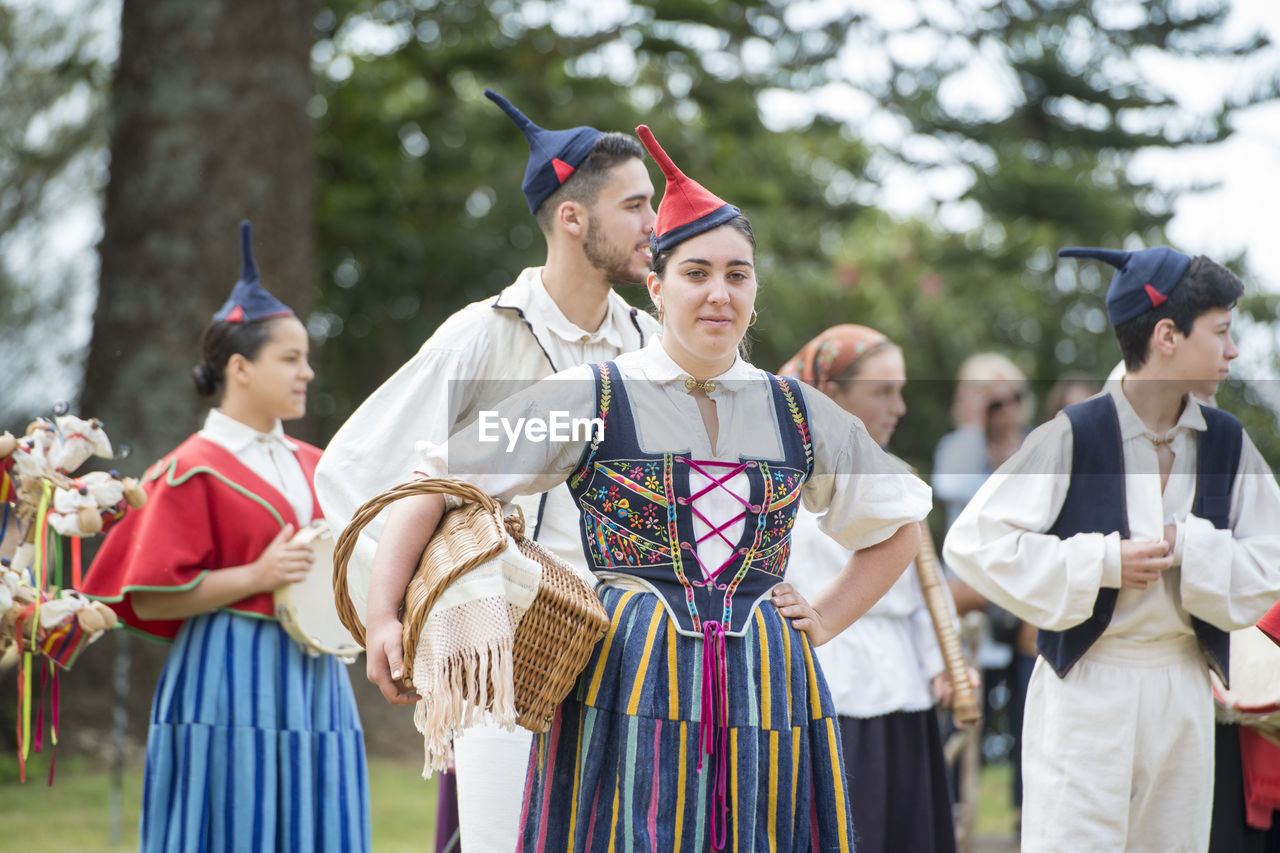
(690,384)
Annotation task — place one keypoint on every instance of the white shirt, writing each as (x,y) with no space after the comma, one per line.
(885,661)
(267,454)
(865,493)
(1228,578)
(476,358)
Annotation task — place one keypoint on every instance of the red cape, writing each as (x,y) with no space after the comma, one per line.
(205,511)
(1270,624)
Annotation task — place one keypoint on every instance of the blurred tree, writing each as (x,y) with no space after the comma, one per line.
(56,70)
(1036,109)
(209,126)
(420,209)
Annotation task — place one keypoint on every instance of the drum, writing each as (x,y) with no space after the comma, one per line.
(1254,697)
(306,610)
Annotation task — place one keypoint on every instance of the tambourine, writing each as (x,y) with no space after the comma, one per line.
(1254,697)
(306,610)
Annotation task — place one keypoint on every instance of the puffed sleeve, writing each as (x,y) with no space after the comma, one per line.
(1231,577)
(998,544)
(864,493)
(529,443)
(374,449)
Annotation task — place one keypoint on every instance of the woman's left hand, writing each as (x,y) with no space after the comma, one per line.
(803,615)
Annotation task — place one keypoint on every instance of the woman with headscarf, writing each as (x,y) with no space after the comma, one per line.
(885,671)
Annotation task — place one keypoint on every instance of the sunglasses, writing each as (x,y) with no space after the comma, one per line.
(997,405)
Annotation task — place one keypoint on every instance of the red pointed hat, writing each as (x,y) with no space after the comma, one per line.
(687,208)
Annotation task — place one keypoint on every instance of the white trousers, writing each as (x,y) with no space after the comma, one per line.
(491,764)
(1118,756)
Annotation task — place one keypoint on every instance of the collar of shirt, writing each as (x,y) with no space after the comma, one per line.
(236,436)
(1131,425)
(529,295)
(660,367)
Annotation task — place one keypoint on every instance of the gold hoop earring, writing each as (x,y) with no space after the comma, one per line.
(754,318)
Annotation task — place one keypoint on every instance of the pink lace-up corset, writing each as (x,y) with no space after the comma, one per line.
(645,514)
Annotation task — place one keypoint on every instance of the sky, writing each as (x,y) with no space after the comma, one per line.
(1237,215)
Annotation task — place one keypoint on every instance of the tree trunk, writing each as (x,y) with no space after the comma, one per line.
(209,126)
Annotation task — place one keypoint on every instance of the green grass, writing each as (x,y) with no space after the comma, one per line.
(75,813)
(996,816)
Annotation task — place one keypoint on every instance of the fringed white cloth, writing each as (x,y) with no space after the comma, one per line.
(463,667)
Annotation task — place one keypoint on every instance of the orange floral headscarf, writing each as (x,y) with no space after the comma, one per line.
(831,353)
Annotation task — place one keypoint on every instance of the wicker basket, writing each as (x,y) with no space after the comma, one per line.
(553,640)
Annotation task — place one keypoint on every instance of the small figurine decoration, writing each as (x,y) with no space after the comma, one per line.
(43,507)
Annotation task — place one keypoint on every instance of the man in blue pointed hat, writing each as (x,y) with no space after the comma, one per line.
(591,196)
(1134,530)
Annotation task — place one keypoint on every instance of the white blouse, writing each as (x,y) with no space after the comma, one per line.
(267,454)
(865,494)
(885,661)
(1228,578)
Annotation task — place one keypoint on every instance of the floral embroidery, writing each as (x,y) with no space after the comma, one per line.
(633,512)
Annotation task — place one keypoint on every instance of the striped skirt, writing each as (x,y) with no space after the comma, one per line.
(619,767)
(253,745)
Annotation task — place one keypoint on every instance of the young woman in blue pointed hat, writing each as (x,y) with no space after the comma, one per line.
(253,744)
(1134,530)
(702,720)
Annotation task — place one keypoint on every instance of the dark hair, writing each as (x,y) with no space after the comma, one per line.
(222,340)
(1204,286)
(739,223)
(584,185)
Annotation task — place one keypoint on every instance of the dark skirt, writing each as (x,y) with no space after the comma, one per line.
(619,767)
(898,783)
(448,839)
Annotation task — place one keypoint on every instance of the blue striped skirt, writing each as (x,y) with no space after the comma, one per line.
(253,745)
(619,767)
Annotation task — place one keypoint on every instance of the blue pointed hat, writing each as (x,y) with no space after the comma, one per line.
(249,301)
(554,155)
(1143,280)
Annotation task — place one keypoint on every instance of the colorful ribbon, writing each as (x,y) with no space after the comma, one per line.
(713,731)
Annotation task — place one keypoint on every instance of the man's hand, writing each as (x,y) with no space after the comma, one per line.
(1141,563)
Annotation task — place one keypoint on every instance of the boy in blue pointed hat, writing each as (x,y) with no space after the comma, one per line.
(591,196)
(1134,530)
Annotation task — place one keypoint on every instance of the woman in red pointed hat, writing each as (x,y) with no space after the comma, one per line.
(253,744)
(702,720)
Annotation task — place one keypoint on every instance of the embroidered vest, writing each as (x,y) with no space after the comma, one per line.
(1095,503)
(638,513)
